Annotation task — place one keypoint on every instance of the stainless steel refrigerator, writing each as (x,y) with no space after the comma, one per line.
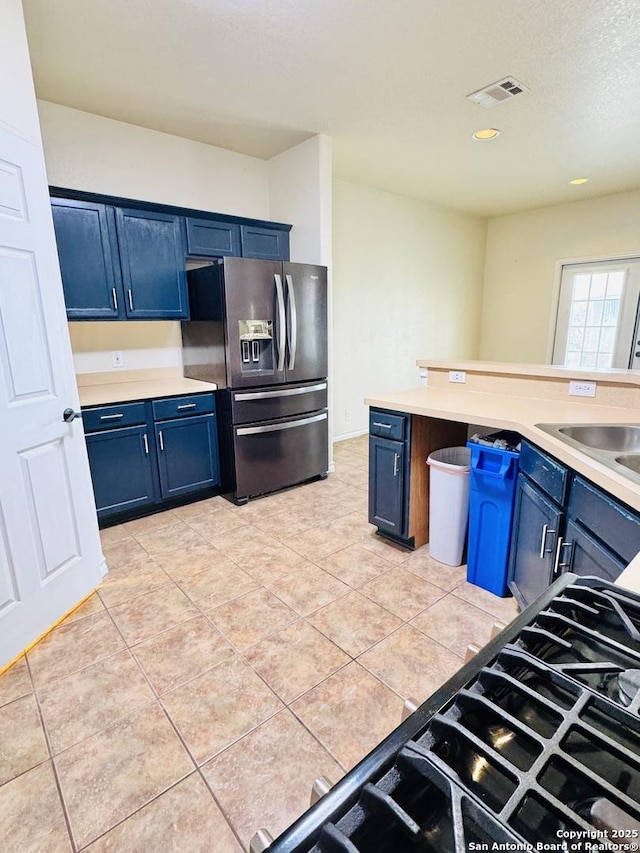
(259,330)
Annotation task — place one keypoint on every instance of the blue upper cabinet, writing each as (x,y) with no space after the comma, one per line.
(126,260)
(209,237)
(272,244)
(89,262)
(152,258)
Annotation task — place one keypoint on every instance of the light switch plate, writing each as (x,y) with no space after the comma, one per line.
(117,359)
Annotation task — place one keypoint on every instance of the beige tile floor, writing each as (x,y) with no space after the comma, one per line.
(231,656)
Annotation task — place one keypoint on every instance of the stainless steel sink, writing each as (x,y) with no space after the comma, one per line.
(617,446)
(621,438)
(630,461)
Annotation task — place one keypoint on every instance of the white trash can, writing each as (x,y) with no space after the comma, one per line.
(448,503)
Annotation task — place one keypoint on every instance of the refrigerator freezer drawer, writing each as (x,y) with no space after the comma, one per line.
(277,402)
(270,456)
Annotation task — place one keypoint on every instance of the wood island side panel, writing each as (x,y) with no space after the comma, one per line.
(427,435)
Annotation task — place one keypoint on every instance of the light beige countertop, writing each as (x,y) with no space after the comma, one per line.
(521,413)
(551,371)
(98,389)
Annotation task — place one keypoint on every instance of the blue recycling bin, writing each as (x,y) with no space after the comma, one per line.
(492,492)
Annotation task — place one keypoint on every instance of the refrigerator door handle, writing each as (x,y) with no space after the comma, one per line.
(292,325)
(282,319)
(286,425)
(287,392)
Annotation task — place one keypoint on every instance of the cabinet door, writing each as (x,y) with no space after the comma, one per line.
(209,237)
(612,523)
(187,455)
(152,257)
(268,243)
(121,463)
(588,556)
(386,484)
(536,527)
(89,264)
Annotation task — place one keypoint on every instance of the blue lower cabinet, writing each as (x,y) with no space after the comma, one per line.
(122,469)
(386,485)
(187,455)
(537,522)
(587,556)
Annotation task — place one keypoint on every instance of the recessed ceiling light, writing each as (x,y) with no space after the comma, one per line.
(487,133)
(577,181)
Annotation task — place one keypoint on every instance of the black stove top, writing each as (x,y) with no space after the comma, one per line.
(535,742)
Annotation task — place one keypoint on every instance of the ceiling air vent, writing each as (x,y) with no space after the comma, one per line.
(496,92)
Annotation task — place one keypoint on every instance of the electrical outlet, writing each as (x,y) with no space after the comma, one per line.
(117,359)
(347,414)
(582,389)
(457,376)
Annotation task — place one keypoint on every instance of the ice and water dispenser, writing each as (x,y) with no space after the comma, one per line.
(256,345)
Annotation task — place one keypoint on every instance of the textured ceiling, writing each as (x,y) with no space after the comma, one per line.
(387,80)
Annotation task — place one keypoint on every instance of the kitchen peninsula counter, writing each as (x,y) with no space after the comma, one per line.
(99,389)
(500,396)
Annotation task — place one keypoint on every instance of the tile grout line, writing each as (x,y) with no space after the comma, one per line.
(54,768)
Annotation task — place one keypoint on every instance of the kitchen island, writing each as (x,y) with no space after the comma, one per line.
(519,397)
(572,512)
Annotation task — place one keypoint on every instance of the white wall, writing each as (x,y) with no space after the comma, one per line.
(142,344)
(300,192)
(96,154)
(407,283)
(521,256)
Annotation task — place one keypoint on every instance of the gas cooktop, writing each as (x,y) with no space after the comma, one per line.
(534,744)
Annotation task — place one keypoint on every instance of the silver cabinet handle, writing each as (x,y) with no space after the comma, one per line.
(543,541)
(557,559)
(282,320)
(292,327)
(186,406)
(112,417)
(115,298)
(382,426)
(161,440)
(130,295)
(146,443)
(545,527)
(395,464)
(559,565)
(566,563)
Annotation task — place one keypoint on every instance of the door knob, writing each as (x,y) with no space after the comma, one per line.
(69,415)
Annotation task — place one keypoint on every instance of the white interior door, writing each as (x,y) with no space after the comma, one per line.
(50,556)
(597,315)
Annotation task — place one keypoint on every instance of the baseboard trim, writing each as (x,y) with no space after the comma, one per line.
(346,435)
